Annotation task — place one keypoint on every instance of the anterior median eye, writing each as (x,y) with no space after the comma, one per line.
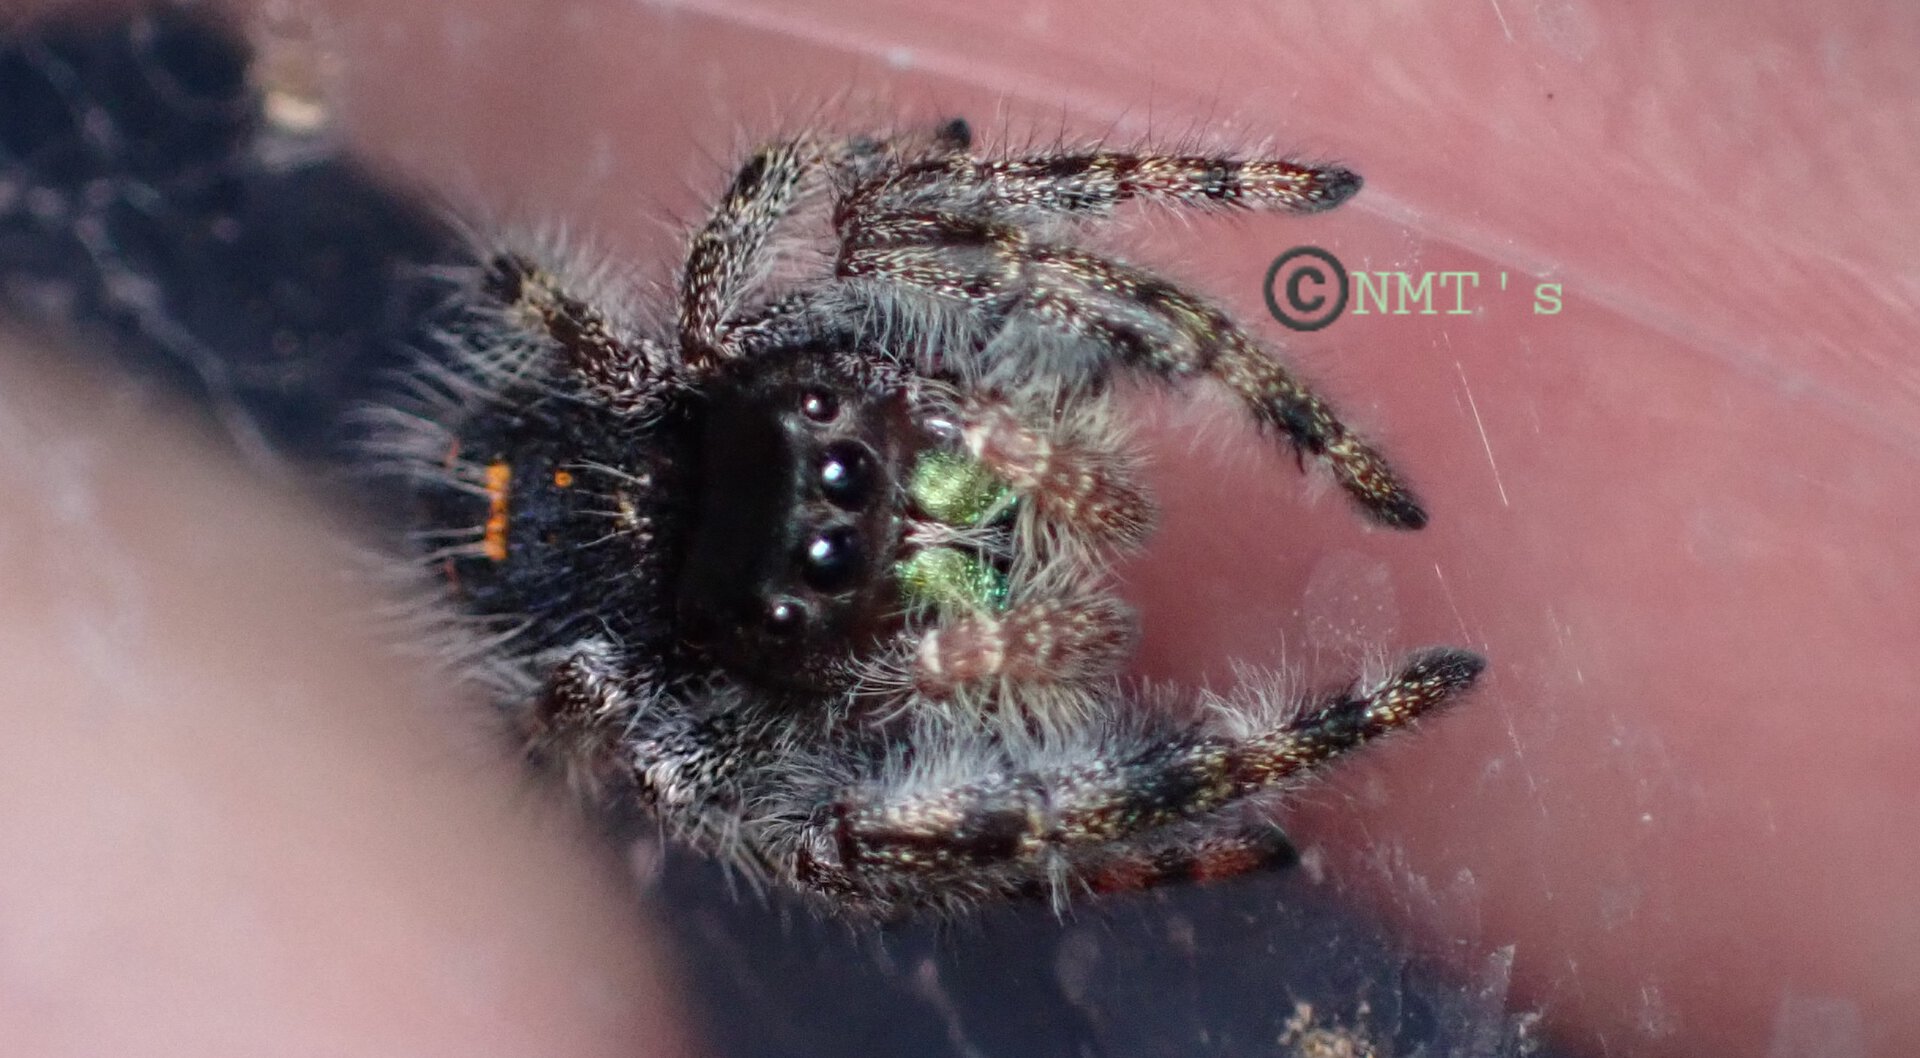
(847,474)
(833,561)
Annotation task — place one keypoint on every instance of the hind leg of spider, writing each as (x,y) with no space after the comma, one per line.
(1139,321)
(624,371)
(575,725)
(1085,801)
(628,746)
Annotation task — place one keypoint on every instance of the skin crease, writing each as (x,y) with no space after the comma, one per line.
(1676,515)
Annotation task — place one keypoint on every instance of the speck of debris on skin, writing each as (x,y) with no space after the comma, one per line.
(927,983)
(1353,604)
(1313,861)
(1309,1040)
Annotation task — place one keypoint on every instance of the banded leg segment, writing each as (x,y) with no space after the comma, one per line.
(619,742)
(576,724)
(1153,321)
(1130,868)
(727,250)
(1209,858)
(1093,182)
(627,374)
(1083,804)
(727,254)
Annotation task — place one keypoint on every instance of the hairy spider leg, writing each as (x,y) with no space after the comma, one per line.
(1140,320)
(1029,816)
(624,372)
(1212,857)
(726,252)
(578,721)
(1093,182)
(726,255)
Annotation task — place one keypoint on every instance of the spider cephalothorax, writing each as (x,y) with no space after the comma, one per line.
(815,574)
(785,566)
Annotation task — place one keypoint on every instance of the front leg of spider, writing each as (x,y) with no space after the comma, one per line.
(955,230)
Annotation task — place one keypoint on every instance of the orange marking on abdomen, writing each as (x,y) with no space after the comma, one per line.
(499,476)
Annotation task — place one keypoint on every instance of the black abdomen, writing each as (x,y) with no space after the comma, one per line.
(573,515)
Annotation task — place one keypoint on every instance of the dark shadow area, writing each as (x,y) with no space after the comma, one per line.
(151,212)
(1254,966)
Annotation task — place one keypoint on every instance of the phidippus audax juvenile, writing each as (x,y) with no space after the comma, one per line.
(812,572)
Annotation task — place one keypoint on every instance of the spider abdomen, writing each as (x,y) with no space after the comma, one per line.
(575,517)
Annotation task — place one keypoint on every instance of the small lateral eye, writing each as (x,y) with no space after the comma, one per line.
(846,474)
(820,405)
(784,618)
(833,560)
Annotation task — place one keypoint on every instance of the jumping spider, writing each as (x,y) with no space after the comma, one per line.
(814,575)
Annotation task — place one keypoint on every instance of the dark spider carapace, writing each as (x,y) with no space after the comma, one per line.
(815,574)
(760,525)
(799,522)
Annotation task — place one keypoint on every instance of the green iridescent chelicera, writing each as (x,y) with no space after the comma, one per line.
(958,491)
(948,576)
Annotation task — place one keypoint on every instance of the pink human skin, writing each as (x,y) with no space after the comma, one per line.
(235,824)
(1675,514)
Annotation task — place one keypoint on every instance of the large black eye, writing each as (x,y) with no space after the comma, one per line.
(846,474)
(784,618)
(820,405)
(832,561)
